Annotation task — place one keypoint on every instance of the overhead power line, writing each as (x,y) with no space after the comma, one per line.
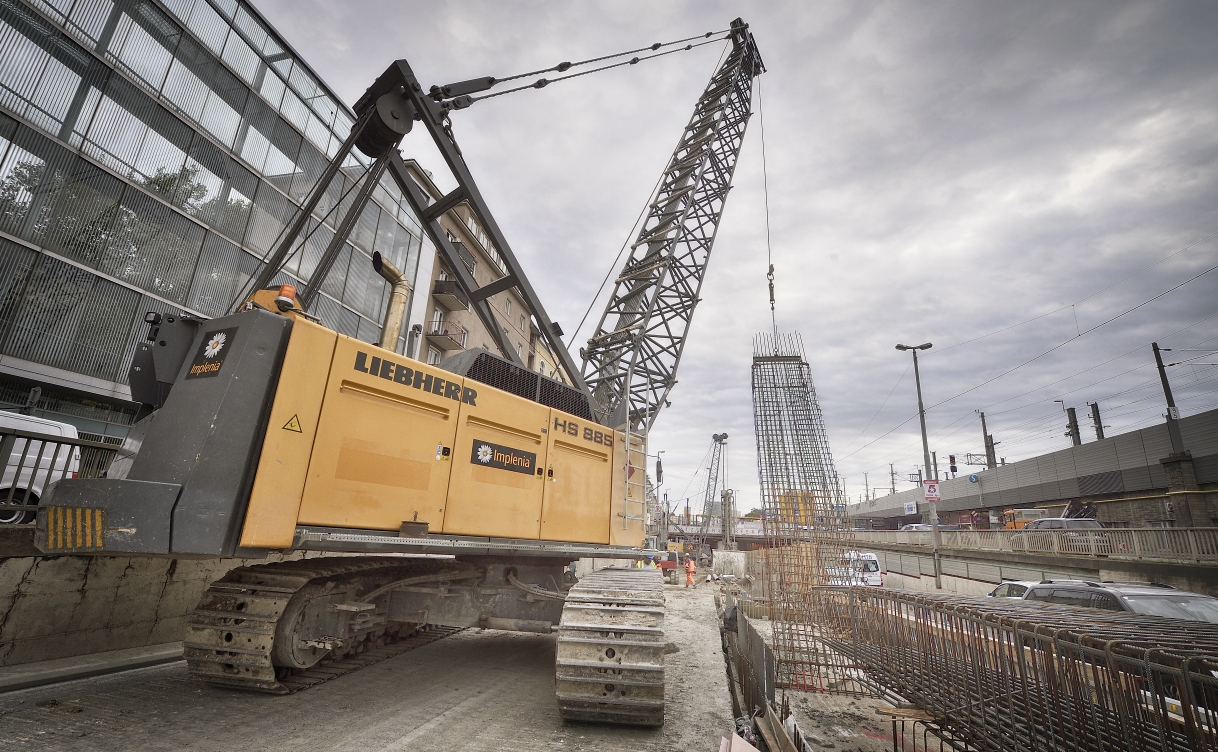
(1075,303)
(1072,339)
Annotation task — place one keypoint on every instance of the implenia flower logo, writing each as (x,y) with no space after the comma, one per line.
(214,345)
(484,454)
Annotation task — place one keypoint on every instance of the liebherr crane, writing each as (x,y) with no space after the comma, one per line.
(271,433)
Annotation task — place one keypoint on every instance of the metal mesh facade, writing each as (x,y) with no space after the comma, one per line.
(150,156)
(808,534)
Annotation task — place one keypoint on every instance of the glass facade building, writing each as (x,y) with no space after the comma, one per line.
(151,155)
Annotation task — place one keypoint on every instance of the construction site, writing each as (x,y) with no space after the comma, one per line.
(296,457)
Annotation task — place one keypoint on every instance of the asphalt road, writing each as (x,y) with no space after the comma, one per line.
(476,690)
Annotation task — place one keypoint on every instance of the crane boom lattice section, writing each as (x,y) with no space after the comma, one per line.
(630,363)
(808,534)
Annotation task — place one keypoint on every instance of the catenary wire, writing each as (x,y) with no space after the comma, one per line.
(1075,303)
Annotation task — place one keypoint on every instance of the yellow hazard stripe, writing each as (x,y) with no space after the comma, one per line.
(75,528)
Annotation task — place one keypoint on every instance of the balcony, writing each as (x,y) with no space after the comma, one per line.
(447,336)
(449,294)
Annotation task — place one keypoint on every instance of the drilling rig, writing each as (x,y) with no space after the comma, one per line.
(271,433)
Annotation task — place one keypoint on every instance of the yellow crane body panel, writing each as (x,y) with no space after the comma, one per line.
(364,439)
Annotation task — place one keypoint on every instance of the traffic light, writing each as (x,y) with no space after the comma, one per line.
(951,460)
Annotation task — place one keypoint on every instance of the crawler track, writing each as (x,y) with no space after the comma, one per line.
(231,635)
(610,657)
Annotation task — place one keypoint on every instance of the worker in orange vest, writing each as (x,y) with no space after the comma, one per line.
(691,569)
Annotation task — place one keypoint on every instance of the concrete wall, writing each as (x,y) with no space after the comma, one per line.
(957,585)
(728,562)
(60,606)
(1123,474)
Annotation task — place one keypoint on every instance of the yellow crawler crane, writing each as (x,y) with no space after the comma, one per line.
(280,434)
(459,494)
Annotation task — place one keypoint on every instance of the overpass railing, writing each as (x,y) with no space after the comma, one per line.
(1191,545)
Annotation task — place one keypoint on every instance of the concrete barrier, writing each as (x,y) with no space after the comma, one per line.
(61,606)
(728,562)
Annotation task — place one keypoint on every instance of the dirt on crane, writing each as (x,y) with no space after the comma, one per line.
(476,690)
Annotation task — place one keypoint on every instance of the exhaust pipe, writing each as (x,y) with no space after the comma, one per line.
(395,312)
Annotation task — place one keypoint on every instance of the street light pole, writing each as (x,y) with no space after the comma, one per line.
(934,507)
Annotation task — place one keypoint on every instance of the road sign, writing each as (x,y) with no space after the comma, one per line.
(911,507)
(973,478)
(930,490)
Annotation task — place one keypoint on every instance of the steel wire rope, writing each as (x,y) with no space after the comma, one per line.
(765,188)
(541,83)
(564,66)
(629,236)
(705,459)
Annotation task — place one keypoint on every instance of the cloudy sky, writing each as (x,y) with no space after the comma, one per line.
(1000,179)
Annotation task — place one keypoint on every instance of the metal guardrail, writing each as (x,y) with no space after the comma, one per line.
(1189,545)
(31,461)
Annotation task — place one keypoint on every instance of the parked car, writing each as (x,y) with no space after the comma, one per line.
(27,486)
(1074,535)
(1019,588)
(1012,589)
(1139,598)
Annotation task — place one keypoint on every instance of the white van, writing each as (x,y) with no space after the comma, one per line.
(25,453)
(868,567)
(864,569)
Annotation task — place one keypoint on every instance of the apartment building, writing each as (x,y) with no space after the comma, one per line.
(450,325)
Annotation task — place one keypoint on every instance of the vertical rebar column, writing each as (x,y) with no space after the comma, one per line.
(808,533)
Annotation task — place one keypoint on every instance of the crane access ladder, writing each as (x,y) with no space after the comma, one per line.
(636,489)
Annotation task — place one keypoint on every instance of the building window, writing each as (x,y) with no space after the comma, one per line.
(522,322)
(507,307)
(433,356)
(520,349)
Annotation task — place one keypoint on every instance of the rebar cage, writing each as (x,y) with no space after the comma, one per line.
(809,541)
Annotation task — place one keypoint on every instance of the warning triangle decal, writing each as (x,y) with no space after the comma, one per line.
(293,425)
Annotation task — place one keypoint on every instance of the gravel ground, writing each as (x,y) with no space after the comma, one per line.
(476,690)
